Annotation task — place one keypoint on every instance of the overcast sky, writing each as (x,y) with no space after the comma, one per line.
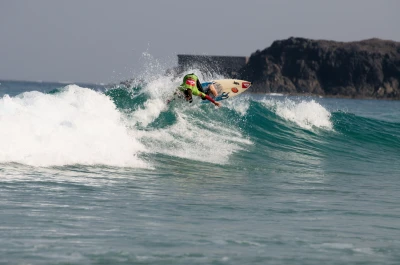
(103,41)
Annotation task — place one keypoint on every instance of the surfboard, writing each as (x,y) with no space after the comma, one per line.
(228,88)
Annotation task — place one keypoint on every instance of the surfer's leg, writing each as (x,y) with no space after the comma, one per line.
(213,90)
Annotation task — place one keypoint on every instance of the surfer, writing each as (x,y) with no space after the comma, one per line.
(192,86)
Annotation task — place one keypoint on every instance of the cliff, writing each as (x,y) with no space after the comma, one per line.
(362,69)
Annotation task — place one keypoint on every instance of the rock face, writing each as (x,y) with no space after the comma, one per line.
(362,69)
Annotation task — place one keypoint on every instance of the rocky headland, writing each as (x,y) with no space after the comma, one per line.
(360,69)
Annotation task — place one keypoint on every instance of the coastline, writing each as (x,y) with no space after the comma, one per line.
(359,69)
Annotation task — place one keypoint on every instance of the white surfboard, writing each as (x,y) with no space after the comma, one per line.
(228,88)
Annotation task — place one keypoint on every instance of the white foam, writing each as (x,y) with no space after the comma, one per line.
(158,91)
(76,126)
(194,138)
(346,246)
(196,135)
(306,114)
(239,105)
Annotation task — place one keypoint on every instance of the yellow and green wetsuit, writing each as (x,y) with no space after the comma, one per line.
(191,81)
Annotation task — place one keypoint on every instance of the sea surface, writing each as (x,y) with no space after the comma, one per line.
(91,174)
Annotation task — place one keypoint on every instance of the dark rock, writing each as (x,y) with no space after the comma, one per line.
(362,69)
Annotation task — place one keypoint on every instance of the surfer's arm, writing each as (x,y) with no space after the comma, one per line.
(210,99)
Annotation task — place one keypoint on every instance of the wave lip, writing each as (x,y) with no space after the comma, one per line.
(306,114)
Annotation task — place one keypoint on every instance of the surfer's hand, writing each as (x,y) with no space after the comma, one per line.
(218,104)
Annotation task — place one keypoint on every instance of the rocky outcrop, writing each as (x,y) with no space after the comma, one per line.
(362,69)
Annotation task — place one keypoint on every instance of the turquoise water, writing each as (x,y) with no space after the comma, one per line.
(90,175)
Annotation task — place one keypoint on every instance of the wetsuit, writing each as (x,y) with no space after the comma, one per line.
(191,81)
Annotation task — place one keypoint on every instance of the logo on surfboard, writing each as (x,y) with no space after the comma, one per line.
(246,84)
(234,90)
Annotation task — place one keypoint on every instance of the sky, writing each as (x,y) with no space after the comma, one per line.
(99,41)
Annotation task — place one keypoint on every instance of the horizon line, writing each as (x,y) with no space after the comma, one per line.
(47,81)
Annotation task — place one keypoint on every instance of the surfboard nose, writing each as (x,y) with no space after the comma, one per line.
(246,84)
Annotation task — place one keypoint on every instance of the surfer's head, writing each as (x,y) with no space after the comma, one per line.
(188,95)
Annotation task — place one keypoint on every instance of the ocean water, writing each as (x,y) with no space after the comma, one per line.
(95,175)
